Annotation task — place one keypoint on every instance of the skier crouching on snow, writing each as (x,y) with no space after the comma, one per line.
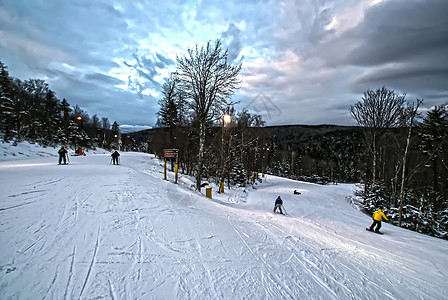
(278,204)
(115,156)
(377,218)
(62,153)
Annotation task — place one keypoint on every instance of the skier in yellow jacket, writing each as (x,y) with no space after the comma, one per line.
(377,218)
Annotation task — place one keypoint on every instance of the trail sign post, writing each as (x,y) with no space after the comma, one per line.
(171,153)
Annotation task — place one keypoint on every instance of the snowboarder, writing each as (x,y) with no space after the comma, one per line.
(115,156)
(377,218)
(278,204)
(62,155)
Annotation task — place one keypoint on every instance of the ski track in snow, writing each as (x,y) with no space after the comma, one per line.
(91,230)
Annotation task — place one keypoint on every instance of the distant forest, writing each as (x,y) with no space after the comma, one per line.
(397,155)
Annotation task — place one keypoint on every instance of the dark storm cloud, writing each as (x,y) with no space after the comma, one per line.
(400,44)
(67,26)
(114,104)
(400,31)
(311,59)
(99,77)
(232,36)
(73,46)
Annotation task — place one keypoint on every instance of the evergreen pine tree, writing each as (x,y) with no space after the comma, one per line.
(434,145)
(6,103)
(52,116)
(65,109)
(375,197)
(239,175)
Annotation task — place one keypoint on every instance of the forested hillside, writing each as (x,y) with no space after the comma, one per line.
(30,110)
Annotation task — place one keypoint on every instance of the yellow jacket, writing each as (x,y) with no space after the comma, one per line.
(379,215)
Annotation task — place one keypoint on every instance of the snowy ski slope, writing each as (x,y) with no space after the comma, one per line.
(92,230)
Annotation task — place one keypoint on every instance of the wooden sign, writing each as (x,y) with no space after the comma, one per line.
(170,153)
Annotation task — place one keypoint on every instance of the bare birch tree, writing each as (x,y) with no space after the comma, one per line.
(378,110)
(413,113)
(209,81)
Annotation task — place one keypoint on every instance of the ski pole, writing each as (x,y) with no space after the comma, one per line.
(284,209)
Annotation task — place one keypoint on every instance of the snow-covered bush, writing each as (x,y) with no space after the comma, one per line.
(375,197)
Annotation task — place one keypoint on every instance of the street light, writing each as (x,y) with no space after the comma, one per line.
(226,119)
(79,118)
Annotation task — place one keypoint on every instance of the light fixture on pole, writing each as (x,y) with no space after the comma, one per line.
(79,118)
(226,119)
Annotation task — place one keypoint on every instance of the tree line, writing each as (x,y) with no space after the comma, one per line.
(398,154)
(31,111)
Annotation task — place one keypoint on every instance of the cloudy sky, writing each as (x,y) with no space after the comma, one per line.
(304,61)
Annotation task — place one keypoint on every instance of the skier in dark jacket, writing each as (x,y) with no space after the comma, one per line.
(115,156)
(278,204)
(62,155)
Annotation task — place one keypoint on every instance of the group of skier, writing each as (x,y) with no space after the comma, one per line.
(377,216)
(63,156)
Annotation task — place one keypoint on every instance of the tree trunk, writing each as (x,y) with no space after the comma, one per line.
(374,159)
(221,181)
(200,154)
(405,156)
(403,174)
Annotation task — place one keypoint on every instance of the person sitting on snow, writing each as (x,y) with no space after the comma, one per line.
(377,218)
(278,204)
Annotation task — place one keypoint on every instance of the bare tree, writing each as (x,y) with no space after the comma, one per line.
(209,81)
(378,110)
(95,124)
(413,112)
(105,123)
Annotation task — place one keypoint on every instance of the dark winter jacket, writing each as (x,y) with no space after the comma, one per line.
(279,201)
(62,152)
(115,154)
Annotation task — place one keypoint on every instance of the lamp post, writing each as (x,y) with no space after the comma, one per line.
(117,140)
(79,118)
(226,118)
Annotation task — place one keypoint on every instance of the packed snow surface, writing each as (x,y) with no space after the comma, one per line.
(93,230)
